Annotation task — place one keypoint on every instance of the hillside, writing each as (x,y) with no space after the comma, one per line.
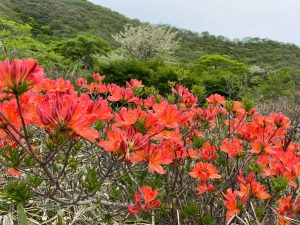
(261,52)
(63,18)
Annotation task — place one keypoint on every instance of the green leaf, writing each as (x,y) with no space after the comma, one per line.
(260,212)
(60,218)
(248,104)
(190,209)
(91,182)
(279,183)
(198,142)
(17,191)
(207,220)
(22,218)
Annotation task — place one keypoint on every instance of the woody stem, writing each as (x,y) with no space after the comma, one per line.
(27,140)
(26,136)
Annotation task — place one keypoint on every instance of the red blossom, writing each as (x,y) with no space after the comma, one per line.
(81,82)
(208,152)
(169,115)
(250,187)
(231,203)
(232,147)
(20,76)
(216,98)
(134,83)
(97,77)
(204,172)
(147,203)
(65,114)
(158,156)
(151,136)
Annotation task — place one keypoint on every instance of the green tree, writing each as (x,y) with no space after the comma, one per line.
(82,48)
(220,74)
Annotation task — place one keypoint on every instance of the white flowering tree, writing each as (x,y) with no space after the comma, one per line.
(148,41)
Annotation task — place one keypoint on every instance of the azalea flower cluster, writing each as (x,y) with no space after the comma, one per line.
(223,155)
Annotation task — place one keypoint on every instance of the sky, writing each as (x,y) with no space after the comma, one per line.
(274,19)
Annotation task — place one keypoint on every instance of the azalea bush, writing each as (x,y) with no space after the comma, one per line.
(98,153)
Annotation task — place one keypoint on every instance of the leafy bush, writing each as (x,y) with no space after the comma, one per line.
(82,48)
(152,72)
(219,74)
(282,83)
(108,153)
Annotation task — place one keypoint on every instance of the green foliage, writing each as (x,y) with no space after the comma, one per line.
(108,219)
(219,74)
(13,156)
(16,41)
(229,106)
(260,213)
(60,218)
(91,181)
(22,218)
(198,90)
(255,168)
(190,209)
(198,142)
(248,104)
(151,91)
(264,53)
(114,193)
(66,18)
(216,62)
(99,125)
(17,191)
(280,83)
(73,35)
(82,48)
(34,181)
(152,72)
(207,220)
(279,183)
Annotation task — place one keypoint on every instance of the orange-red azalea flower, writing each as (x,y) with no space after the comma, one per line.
(232,147)
(20,76)
(148,202)
(231,203)
(65,114)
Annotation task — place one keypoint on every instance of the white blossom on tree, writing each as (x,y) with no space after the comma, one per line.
(148,41)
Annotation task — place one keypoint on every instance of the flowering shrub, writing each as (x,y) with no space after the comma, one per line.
(99,152)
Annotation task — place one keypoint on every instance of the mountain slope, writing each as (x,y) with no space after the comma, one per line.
(62,18)
(52,19)
(252,51)
(7,10)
